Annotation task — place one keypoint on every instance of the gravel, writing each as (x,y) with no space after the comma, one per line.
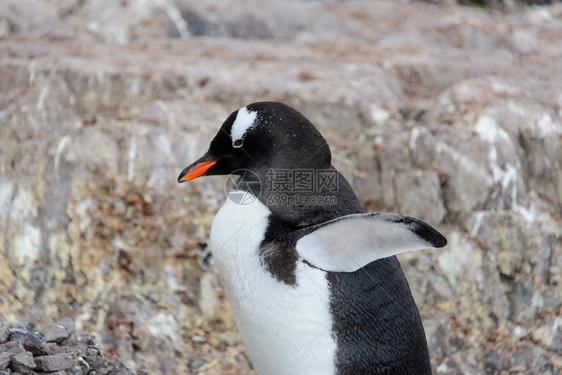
(56,350)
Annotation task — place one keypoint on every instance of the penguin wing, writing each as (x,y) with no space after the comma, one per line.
(350,242)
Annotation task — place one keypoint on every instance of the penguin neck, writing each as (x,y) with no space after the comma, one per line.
(299,198)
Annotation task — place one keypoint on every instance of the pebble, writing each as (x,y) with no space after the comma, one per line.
(54,362)
(12,347)
(26,335)
(35,349)
(23,362)
(4,360)
(229,339)
(4,334)
(56,350)
(76,370)
(120,368)
(59,331)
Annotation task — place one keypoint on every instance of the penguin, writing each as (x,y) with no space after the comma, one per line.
(312,278)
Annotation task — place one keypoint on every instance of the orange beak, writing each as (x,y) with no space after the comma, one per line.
(196,170)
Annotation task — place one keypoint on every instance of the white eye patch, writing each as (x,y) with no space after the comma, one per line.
(245,120)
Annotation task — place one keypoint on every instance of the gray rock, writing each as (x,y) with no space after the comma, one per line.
(47,348)
(35,349)
(5,360)
(520,297)
(32,17)
(524,42)
(418,194)
(76,370)
(4,333)
(23,363)
(26,335)
(100,364)
(12,347)
(54,362)
(119,367)
(81,338)
(59,331)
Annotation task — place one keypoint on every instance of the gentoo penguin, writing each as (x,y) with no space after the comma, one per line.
(312,279)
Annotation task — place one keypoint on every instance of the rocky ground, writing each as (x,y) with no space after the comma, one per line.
(58,350)
(448,113)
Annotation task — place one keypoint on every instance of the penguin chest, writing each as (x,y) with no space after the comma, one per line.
(286,327)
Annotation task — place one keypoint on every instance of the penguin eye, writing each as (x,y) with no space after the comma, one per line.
(238,143)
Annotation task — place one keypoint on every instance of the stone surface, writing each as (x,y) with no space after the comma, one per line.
(5,359)
(78,354)
(23,363)
(12,347)
(58,331)
(457,121)
(4,334)
(26,335)
(54,362)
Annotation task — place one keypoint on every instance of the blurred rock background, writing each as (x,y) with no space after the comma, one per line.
(449,113)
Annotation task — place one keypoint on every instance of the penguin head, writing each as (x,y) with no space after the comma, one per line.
(259,137)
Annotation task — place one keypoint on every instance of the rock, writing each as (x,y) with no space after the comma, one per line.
(32,17)
(12,347)
(26,335)
(81,338)
(5,360)
(524,43)
(76,370)
(35,349)
(47,348)
(549,363)
(76,355)
(100,364)
(4,330)
(119,367)
(228,338)
(23,363)
(550,335)
(59,331)
(4,334)
(419,195)
(54,362)
(284,21)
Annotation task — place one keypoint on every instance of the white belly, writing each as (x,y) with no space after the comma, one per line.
(286,329)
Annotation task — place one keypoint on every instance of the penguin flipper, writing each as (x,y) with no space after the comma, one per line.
(350,242)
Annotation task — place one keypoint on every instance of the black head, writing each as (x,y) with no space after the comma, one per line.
(259,137)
